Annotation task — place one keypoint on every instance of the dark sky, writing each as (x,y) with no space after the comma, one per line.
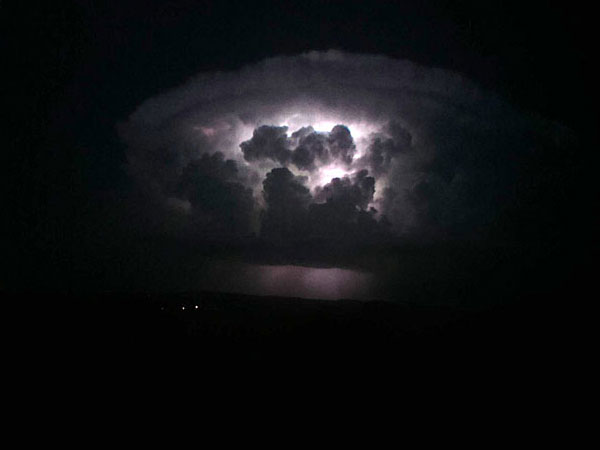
(524,50)
(82,67)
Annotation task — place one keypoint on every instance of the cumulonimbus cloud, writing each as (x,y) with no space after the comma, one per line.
(424,150)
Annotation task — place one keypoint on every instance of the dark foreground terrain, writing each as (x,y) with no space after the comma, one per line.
(212,332)
(470,317)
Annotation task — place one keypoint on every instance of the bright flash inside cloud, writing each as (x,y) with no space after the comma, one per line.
(325,126)
(326,174)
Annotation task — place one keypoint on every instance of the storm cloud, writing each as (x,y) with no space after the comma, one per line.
(299,146)
(306,148)
(219,203)
(287,201)
(268,142)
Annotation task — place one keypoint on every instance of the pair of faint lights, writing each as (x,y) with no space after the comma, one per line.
(195,307)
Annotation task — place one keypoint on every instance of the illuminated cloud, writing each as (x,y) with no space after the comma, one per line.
(424,148)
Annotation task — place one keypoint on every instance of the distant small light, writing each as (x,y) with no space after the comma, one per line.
(196,306)
(183,307)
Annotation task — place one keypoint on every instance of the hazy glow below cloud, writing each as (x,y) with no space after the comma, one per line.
(288,280)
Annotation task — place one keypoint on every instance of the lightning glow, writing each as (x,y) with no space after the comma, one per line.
(325,174)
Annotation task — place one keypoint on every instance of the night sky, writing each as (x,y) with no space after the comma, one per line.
(281,195)
(148,138)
